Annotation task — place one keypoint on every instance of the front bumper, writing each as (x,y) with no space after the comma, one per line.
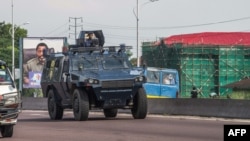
(116,97)
(8,116)
(9,108)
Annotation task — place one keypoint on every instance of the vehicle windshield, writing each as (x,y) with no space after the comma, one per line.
(5,76)
(114,62)
(84,64)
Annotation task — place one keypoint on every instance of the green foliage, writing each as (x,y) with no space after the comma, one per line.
(129,53)
(5,36)
(6,42)
(133,61)
(32,92)
(240,94)
(6,55)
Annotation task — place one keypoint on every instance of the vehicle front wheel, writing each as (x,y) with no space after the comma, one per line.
(80,105)
(140,108)
(54,109)
(7,130)
(110,113)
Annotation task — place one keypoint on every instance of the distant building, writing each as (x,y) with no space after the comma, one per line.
(208,60)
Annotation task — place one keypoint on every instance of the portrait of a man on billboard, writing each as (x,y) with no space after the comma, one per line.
(33,59)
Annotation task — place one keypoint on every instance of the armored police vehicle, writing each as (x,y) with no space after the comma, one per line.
(9,101)
(87,78)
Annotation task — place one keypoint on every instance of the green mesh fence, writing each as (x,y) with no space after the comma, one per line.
(208,67)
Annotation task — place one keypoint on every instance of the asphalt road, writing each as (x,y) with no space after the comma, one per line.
(36,126)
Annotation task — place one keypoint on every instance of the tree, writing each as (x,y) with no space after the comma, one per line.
(129,53)
(5,36)
(133,61)
(6,42)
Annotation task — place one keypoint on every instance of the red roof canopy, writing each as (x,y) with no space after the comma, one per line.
(211,38)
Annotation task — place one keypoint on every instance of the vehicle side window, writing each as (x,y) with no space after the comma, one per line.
(45,74)
(4,76)
(169,78)
(65,66)
(57,73)
(153,76)
(48,64)
(51,69)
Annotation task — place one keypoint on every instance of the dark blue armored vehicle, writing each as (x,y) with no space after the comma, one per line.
(87,78)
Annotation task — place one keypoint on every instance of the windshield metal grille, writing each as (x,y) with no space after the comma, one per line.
(117,84)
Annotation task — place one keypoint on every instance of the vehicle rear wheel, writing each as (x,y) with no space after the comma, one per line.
(54,109)
(80,105)
(7,130)
(110,113)
(139,110)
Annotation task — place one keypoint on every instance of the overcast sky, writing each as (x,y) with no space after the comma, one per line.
(162,18)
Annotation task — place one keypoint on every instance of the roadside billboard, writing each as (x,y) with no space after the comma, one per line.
(32,61)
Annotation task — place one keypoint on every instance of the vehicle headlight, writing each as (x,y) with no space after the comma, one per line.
(96,81)
(93,81)
(139,79)
(9,99)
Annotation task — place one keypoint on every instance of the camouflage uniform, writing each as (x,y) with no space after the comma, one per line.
(32,65)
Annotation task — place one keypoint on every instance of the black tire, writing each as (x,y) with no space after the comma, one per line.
(7,130)
(54,109)
(140,107)
(80,105)
(110,113)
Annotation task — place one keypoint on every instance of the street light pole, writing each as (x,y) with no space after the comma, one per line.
(137,29)
(137,34)
(13,38)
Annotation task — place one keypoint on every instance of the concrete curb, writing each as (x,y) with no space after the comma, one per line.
(225,108)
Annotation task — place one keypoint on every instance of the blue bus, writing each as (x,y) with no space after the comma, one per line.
(161,83)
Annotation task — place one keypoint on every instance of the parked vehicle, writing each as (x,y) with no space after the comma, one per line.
(161,83)
(9,101)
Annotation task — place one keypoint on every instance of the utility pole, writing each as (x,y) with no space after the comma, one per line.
(75,26)
(137,33)
(13,39)
(137,28)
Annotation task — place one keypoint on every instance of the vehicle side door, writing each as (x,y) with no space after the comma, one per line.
(169,85)
(65,82)
(152,86)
